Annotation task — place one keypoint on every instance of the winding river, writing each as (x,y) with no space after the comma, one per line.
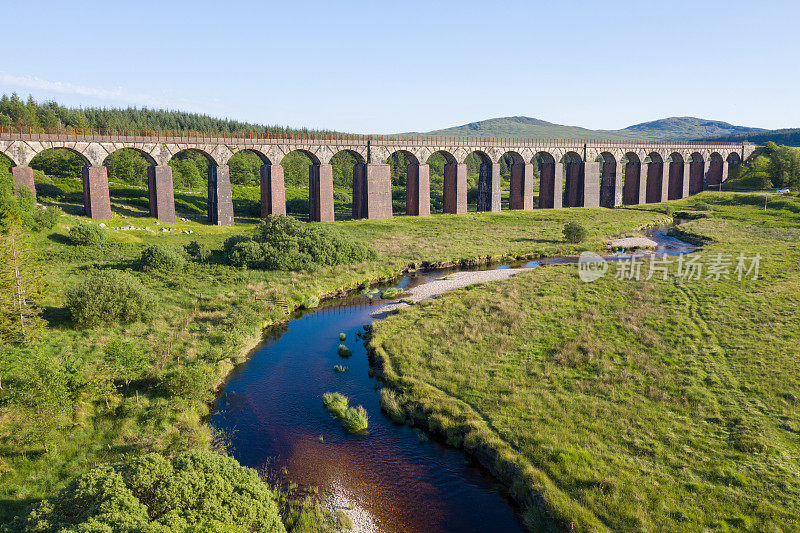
(393,479)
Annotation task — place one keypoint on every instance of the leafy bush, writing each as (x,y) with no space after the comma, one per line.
(246,253)
(342,336)
(574,232)
(108,297)
(198,252)
(46,217)
(335,403)
(194,491)
(160,258)
(87,234)
(285,243)
(193,381)
(703,206)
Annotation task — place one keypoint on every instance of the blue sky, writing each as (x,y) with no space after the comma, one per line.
(373,67)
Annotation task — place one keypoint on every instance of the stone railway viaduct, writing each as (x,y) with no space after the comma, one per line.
(572,173)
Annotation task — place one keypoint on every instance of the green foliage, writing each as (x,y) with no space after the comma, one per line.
(574,232)
(193,491)
(342,337)
(340,369)
(344,351)
(87,234)
(189,170)
(309,302)
(193,381)
(354,419)
(59,162)
(284,243)
(21,290)
(390,404)
(162,258)
(703,206)
(128,166)
(769,167)
(245,168)
(109,297)
(198,252)
(391,292)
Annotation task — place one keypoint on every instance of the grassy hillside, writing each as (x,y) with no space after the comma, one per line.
(673,128)
(623,405)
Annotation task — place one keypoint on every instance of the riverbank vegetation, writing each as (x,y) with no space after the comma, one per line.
(624,405)
(354,419)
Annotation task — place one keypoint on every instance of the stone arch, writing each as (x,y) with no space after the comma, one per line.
(219,199)
(696,172)
(676,176)
(405,170)
(715,169)
(610,174)
(550,178)
(348,168)
(655,174)
(573,179)
(445,169)
(489,182)
(94,181)
(632,165)
(161,196)
(300,166)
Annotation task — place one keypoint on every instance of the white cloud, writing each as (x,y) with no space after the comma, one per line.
(116,95)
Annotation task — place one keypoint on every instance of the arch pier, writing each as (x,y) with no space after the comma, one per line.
(571,173)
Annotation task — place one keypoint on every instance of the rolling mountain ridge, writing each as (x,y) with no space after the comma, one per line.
(667,129)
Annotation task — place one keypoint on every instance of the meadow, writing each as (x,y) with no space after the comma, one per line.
(669,405)
(94,395)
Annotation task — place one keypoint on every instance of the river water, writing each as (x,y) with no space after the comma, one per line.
(394,479)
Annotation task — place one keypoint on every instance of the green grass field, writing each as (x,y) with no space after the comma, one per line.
(207,318)
(625,405)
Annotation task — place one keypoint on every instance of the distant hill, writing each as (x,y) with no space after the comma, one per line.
(667,129)
(528,127)
(684,128)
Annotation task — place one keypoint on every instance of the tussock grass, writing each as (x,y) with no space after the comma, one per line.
(354,419)
(344,351)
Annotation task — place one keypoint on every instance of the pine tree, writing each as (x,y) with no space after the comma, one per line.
(21,287)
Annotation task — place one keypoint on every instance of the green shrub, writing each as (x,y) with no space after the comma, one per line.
(574,232)
(109,297)
(193,381)
(344,351)
(703,206)
(198,252)
(342,337)
(46,217)
(246,254)
(340,368)
(161,258)
(341,196)
(87,234)
(193,491)
(232,241)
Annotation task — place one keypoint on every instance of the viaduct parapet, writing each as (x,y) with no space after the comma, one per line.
(571,173)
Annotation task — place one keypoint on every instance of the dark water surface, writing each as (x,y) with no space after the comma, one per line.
(271,411)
